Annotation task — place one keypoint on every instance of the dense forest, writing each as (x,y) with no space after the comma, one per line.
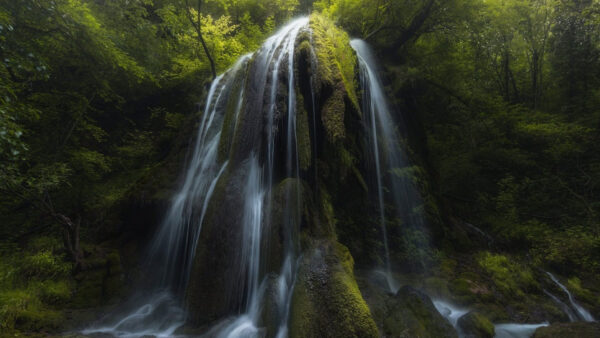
(495,105)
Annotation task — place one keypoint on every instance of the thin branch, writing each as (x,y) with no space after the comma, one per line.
(198,27)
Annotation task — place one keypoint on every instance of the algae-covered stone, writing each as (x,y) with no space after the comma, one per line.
(326,300)
(411,313)
(579,330)
(475,325)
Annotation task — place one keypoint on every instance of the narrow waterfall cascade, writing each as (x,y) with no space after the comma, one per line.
(158,311)
(564,307)
(581,312)
(390,160)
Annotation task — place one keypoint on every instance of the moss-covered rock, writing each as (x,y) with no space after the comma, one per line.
(411,313)
(336,74)
(336,58)
(326,300)
(560,330)
(476,325)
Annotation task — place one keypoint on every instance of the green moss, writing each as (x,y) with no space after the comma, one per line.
(511,278)
(303,135)
(574,285)
(336,58)
(333,116)
(328,213)
(476,325)
(336,72)
(326,300)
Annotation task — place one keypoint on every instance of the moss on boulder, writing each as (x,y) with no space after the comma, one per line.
(476,325)
(411,313)
(326,300)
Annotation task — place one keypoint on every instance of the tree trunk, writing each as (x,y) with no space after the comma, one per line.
(71,239)
(197,24)
(415,25)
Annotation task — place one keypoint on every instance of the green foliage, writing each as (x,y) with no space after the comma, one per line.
(23,310)
(92,94)
(33,284)
(511,278)
(501,97)
(575,249)
(43,265)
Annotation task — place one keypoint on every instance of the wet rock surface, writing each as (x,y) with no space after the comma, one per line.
(475,325)
(578,329)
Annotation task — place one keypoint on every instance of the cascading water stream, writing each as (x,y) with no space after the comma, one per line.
(564,307)
(277,51)
(159,312)
(388,154)
(582,313)
(246,325)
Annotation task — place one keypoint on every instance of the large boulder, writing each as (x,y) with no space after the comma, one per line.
(326,300)
(476,325)
(411,313)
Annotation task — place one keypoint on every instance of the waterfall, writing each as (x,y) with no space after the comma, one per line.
(582,313)
(388,154)
(159,311)
(276,53)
